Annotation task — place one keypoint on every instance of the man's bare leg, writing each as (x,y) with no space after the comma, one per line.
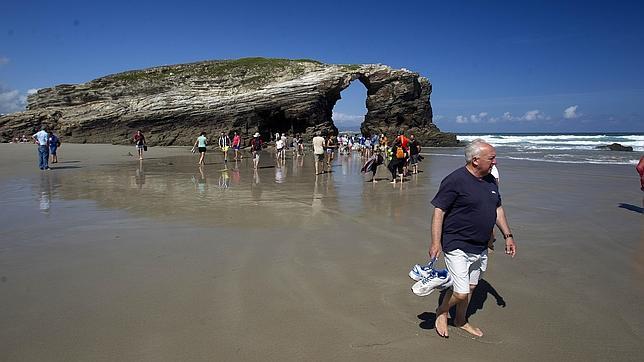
(460,320)
(449,301)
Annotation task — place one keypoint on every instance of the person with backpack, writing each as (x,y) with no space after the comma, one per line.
(398,159)
(256,147)
(54,143)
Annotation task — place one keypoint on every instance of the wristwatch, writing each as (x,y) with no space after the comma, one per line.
(506,236)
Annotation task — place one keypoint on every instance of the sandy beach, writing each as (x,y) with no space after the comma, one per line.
(107,258)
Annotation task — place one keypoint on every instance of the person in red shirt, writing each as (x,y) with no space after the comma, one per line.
(640,170)
(237,146)
(139,140)
(403,141)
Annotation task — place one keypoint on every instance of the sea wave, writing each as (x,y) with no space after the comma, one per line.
(559,142)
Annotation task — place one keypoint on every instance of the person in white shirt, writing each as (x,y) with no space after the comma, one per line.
(42,140)
(318,152)
(224,144)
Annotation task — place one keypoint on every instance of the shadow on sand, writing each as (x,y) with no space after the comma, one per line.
(631,207)
(477,302)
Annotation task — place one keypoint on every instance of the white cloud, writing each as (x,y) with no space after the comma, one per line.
(482,117)
(11,101)
(534,115)
(571,112)
(343,118)
(461,119)
(485,117)
(32,91)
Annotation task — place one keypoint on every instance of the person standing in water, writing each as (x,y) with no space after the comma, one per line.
(139,140)
(54,143)
(237,146)
(42,140)
(224,144)
(256,148)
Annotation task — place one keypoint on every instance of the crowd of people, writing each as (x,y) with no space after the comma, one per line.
(402,155)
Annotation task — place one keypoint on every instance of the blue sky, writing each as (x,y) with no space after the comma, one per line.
(504,66)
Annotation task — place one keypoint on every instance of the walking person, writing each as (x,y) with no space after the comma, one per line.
(330,151)
(42,140)
(300,145)
(371,165)
(398,159)
(318,152)
(54,143)
(224,144)
(139,141)
(200,144)
(467,206)
(414,153)
(237,146)
(280,147)
(256,148)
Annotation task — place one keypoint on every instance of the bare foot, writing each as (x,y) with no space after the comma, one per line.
(471,330)
(441,325)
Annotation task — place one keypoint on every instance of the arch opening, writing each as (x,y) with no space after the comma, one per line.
(350,110)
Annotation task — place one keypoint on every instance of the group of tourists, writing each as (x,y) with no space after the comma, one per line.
(224,143)
(403,155)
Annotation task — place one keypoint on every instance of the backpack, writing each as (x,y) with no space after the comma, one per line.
(400,153)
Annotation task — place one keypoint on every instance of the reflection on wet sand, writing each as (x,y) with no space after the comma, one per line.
(174,187)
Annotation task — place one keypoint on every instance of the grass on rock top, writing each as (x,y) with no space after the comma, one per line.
(251,72)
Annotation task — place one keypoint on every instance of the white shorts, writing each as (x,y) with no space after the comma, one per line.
(465,269)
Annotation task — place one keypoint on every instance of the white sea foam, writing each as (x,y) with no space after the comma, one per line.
(570,148)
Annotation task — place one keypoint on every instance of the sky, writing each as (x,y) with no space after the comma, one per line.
(495,66)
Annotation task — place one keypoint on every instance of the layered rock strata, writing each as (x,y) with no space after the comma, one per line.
(172,104)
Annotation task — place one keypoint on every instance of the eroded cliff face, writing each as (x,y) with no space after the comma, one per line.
(172,104)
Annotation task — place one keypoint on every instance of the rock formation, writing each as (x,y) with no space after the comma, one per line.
(172,104)
(615,147)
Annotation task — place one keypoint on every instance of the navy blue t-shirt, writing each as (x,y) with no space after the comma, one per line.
(470,207)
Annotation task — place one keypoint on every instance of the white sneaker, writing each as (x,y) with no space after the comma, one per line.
(438,279)
(419,272)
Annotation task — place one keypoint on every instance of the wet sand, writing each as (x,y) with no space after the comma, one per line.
(108,258)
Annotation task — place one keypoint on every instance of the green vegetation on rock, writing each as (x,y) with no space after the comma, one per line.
(249,72)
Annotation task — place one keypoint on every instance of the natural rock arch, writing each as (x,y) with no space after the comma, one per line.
(172,104)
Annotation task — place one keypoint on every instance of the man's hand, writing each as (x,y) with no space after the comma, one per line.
(510,247)
(434,250)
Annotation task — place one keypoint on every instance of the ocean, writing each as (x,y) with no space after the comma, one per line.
(563,148)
